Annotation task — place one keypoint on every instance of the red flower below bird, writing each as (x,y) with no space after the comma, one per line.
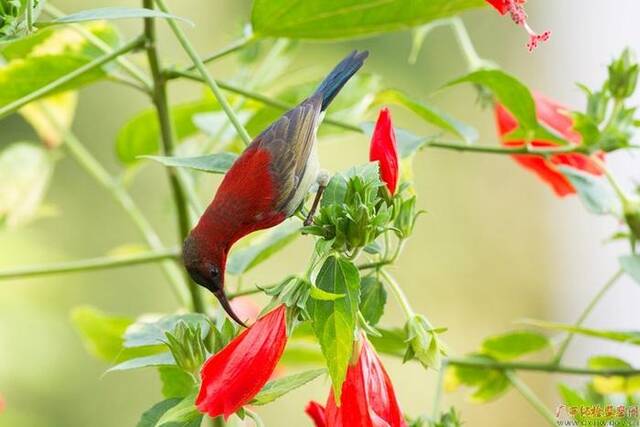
(233,376)
(556,118)
(516,9)
(368,399)
(383,149)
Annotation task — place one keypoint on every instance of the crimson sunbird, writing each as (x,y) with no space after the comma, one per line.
(265,185)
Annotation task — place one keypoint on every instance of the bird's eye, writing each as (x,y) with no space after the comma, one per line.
(214,272)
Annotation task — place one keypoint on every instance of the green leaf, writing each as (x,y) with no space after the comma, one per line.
(262,246)
(101,333)
(48,55)
(140,136)
(61,106)
(514,344)
(595,192)
(572,398)
(184,414)
(334,322)
(629,337)
(213,163)
(160,359)
(175,382)
(428,114)
(373,297)
(489,384)
(151,416)
(319,294)
(335,191)
(112,13)
(631,265)
(302,354)
(391,341)
(512,94)
(611,384)
(337,19)
(25,172)
(281,386)
(150,331)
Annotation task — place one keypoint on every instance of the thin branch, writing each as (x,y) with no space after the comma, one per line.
(587,311)
(161,103)
(233,47)
(199,65)
(56,84)
(531,397)
(539,367)
(90,264)
(244,293)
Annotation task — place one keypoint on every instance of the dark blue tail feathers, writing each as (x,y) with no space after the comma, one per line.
(337,78)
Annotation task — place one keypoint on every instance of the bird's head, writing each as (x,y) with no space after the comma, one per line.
(206,267)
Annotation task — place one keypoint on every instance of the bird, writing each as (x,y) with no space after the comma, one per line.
(265,185)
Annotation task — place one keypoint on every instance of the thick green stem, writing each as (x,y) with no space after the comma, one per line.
(199,65)
(539,367)
(587,311)
(255,417)
(167,137)
(435,411)
(126,65)
(91,264)
(58,83)
(531,397)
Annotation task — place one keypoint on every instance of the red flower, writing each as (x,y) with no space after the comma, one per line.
(384,150)
(516,9)
(368,399)
(233,376)
(555,117)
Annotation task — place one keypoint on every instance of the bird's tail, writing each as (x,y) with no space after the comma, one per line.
(337,78)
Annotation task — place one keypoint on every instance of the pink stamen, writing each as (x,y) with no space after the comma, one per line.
(519,16)
(535,38)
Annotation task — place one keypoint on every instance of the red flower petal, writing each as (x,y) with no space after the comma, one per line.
(384,150)
(316,412)
(368,399)
(555,117)
(233,376)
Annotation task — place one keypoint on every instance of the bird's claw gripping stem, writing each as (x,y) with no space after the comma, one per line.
(323,181)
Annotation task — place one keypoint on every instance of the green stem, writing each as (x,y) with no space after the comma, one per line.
(474,62)
(199,65)
(255,417)
(539,367)
(90,264)
(531,397)
(29,16)
(617,188)
(235,46)
(161,103)
(399,295)
(56,84)
(244,293)
(585,314)
(435,412)
(272,102)
(97,171)
(126,65)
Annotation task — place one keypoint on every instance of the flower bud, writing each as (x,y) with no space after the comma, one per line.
(424,344)
(406,218)
(187,346)
(623,76)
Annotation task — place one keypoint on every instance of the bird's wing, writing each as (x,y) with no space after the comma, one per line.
(290,142)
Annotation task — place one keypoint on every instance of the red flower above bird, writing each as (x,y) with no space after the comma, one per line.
(368,399)
(233,376)
(555,117)
(384,150)
(516,9)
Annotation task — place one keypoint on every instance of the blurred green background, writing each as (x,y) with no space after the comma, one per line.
(495,246)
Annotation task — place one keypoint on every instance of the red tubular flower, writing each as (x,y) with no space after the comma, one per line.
(233,376)
(555,117)
(516,9)
(384,150)
(368,399)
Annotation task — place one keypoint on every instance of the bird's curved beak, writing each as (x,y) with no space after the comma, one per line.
(224,302)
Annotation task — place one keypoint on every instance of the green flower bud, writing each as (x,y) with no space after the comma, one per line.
(187,347)
(424,344)
(623,76)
